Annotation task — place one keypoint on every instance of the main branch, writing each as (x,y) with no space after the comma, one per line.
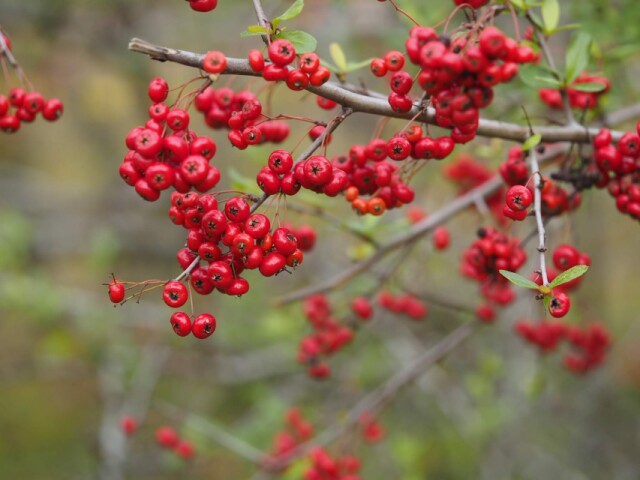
(367,102)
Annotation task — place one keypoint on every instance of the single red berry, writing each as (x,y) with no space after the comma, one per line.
(272,263)
(185,449)
(309,62)
(159,176)
(158,90)
(128,424)
(282,52)
(203,5)
(175,294)
(559,305)
(203,325)
(116,291)
(362,308)
(285,241)
(256,60)
(394,61)
(519,198)
(378,67)
(238,287)
(257,225)
(214,62)
(320,76)
(441,238)
(297,80)
(166,437)
(181,323)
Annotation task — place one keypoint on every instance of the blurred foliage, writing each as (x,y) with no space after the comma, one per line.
(495,409)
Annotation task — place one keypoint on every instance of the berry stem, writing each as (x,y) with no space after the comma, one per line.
(537,202)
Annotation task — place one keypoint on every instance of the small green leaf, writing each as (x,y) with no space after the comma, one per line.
(531,142)
(518,3)
(546,300)
(338,56)
(530,75)
(550,81)
(589,87)
(577,56)
(568,26)
(568,275)
(550,15)
(253,30)
(518,280)
(302,41)
(292,12)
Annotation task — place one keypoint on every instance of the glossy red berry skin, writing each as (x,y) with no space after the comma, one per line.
(565,257)
(181,323)
(256,60)
(158,90)
(214,62)
(203,325)
(272,263)
(116,291)
(185,449)
(559,305)
(281,52)
(519,197)
(361,306)
(175,294)
(441,238)
(203,5)
(257,225)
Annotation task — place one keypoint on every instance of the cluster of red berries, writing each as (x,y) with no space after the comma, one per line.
(555,200)
(164,153)
(577,98)
(404,304)
(282,54)
(203,5)
(20,106)
(324,466)
(241,113)
(591,342)
(327,338)
(165,436)
(168,438)
(619,166)
(460,74)
(370,173)
(490,252)
(316,173)
(230,239)
(297,431)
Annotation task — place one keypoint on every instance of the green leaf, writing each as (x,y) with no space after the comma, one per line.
(589,87)
(338,56)
(577,56)
(550,15)
(545,301)
(292,12)
(253,30)
(531,75)
(518,3)
(568,26)
(302,41)
(550,81)
(568,275)
(531,142)
(518,280)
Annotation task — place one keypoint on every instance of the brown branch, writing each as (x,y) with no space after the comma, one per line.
(374,104)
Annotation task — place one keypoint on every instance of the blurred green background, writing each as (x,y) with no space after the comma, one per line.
(71,364)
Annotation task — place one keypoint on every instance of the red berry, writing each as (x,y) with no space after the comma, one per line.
(441,238)
(203,5)
(128,424)
(214,62)
(565,257)
(185,449)
(203,325)
(181,323)
(175,294)
(166,437)
(158,90)
(116,291)
(282,52)
(559,305)
(256,60)
(519,198)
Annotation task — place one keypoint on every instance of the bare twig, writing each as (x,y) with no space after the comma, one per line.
(537,205)
(373,104)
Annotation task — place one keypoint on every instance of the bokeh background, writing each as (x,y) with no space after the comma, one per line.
(71,364)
